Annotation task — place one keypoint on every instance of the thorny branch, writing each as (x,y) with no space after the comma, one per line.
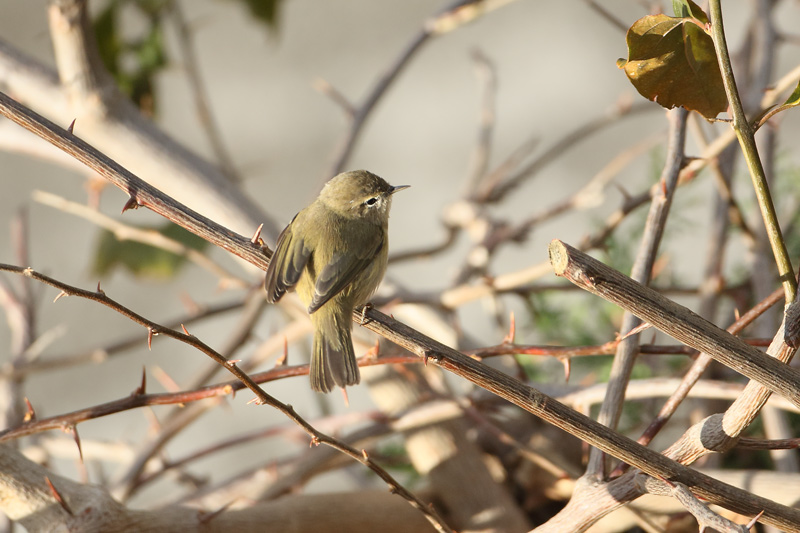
(262,397)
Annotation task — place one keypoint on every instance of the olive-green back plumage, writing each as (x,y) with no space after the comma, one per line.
(334,253)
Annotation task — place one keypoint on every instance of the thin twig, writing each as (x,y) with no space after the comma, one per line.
(140,192)
(199,92)
(454,15)
(642,272)
(608,15)
(151,237)
(262,397)
(485,71)
(98,355)
(494,190)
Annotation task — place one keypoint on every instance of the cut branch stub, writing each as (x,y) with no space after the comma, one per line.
(674,320)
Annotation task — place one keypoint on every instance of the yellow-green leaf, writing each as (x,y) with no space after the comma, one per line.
(794,98)
(687,8)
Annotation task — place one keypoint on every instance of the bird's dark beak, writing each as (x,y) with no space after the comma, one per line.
(398,188)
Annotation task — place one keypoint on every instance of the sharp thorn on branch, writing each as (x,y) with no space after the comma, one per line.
(30,413)
(132,203)
(635,331)
(256,238)
(143,385)
(512,330)
(74,430)
(57,495)
(283,359)
(567,362)
(755,519)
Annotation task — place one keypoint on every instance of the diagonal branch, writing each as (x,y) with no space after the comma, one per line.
(675,320)
(141,193)
(317,437)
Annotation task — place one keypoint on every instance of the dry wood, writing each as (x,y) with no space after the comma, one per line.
(674,320)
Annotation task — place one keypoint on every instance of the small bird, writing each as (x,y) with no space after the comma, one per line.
(334,252)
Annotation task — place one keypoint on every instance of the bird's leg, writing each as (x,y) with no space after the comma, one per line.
(364,313)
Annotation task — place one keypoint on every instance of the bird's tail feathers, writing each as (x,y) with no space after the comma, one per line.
(333,361)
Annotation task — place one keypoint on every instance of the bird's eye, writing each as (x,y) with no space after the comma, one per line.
(372,201)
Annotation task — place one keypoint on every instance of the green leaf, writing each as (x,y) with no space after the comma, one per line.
(688,9)
(142,58)
(794,98)
(107,37)
(150,59)
(672,62)
(792,101)
(142,259)
(149,52)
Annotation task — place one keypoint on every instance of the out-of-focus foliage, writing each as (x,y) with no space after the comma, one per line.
(142,259)
(134,62)
(264,11)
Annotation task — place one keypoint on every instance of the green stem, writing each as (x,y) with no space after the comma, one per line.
(746,135)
